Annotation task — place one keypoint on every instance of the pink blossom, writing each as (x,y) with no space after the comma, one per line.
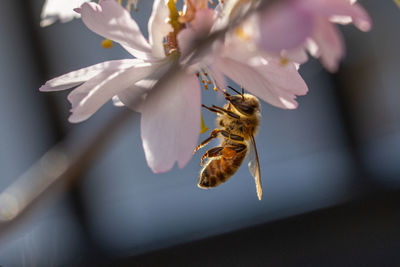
(309,24)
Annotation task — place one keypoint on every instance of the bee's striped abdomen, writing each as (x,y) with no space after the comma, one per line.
(219,170)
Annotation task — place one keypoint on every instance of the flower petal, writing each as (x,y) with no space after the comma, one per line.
(282,75)
(89,97)
(360,17)
(284,27)
(159,27)
(340,11)
(256,83)
(80,76)
(186,39)
(330,46)
(298,55)
(63,10)
(218,77)
(278,78)
(111,21)
(142,87)
(116,101)
(170,123)
(203,21)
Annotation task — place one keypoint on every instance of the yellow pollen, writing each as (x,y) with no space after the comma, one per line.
(215,89)
(107,43)
(242,34)
(284,61)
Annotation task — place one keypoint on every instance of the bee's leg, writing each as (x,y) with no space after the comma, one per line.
(231,151)
(239,147)
(213,135)
(227,152)
(211,153)
(230,136)
(212,109)
(228,112)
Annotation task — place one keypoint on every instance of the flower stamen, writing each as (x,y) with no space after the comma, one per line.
(283,61)
(240,32)
(107,43)
(206,79)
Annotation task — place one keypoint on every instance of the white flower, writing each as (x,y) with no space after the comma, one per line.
(170,121)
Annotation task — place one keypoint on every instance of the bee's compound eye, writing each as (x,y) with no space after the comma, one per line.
(247,109)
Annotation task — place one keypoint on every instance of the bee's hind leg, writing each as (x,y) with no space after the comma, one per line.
(226,152)
(212,153)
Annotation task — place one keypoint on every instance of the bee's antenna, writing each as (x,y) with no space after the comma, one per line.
(233,89)
(242,92)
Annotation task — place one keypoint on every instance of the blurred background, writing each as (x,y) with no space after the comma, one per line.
(330,169)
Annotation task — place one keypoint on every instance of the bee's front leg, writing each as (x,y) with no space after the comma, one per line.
(212,109)
(228,112)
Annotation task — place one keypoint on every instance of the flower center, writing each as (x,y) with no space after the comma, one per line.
(177,26)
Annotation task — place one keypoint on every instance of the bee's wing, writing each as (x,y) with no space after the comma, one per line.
(254,166)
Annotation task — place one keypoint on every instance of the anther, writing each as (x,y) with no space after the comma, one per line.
(284,61)
(106,43)
(206,86)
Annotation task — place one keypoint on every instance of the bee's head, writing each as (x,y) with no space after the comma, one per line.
(245,103)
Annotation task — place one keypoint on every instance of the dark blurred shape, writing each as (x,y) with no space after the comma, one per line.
(364,232)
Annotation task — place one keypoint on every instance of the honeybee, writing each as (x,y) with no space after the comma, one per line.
(237,123)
